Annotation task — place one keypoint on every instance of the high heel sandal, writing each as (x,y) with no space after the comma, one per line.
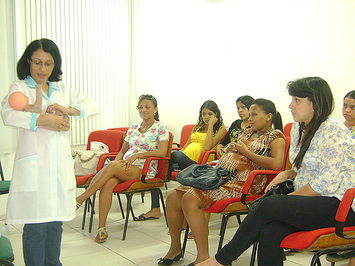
(101,239)
(78,205)
(166,261)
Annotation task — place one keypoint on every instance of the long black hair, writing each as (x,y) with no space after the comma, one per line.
(319,93)
(23,65)
(246,100)
(211,105)
(269,108)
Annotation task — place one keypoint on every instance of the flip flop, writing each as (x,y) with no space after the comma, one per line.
(141,218)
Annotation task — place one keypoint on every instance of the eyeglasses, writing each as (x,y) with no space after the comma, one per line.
(39,63)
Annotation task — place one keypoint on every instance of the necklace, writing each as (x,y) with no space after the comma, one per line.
(145,128)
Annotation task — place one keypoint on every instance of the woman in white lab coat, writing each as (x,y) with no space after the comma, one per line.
(42,192)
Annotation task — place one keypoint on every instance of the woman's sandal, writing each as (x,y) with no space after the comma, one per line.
(99,238)
(78,205)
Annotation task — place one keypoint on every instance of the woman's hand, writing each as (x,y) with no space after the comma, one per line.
(59,123)
(241,147)
(232,147)
(127,163)
(59,110)
(220,150)
(213,120)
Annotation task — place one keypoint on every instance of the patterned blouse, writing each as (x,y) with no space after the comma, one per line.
(329,163)
(148,141)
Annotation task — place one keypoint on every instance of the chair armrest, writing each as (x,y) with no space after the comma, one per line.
(271,175)
(343,211)
(176,144)
(146,166)
(204,156)
(176,148)
(103,157)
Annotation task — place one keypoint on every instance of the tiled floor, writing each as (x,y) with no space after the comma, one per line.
(146,241)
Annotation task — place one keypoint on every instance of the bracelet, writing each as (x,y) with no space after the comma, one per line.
(72,110)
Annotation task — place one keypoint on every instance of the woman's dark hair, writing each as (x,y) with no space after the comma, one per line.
(246,100)
(319,93)
(23,65)
(211,105)
(153,100)
(350,94)
(269,108)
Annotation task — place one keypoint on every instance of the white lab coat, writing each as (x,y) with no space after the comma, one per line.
(43,181)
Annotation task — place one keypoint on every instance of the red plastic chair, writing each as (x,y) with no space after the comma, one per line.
(184,137)
(113,139)
(124,129)
(287,129)
(326,240)
(129,188)
(238,206)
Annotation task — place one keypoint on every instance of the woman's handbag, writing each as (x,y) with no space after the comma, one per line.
(85,162)
(204,177)
(284,187)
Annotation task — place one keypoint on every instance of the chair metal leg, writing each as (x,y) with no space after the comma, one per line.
(253,254)
(129,209)
(120,203)
(92,211)
(127,196)
(185,240)
(163,205)
(222,231)
(84,214)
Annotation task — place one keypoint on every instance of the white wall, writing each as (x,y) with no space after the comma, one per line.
(195,50)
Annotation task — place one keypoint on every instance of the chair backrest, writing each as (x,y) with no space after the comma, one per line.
(287,129)
(125,129)
(185,134)
(112,138)
(164,166)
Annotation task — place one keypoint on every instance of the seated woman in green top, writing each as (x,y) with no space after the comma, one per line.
(207,133)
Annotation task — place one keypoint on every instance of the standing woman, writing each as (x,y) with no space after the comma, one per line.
(145,139)
(322,154)
(243,104)
(42,192)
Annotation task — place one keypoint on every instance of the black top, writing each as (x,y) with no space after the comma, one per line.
(233,133)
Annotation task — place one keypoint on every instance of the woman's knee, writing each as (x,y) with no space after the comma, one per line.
(189,201)
(176,156)
(109,185)
(174,199)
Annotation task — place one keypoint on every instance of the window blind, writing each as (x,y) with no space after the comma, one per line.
(96,41)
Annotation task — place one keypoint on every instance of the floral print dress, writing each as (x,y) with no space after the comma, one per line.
(143,142)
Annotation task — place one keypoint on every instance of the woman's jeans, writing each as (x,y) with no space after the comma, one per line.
(41,243)
(180,160)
